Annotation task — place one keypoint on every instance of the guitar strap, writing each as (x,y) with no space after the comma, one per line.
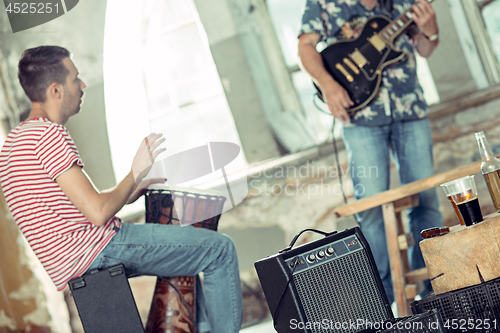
(386,6)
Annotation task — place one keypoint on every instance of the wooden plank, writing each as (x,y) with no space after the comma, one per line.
(464,257)
(405,203)
(397,274)
(417,275)
(412,290)
(405,241)
(457,131)
(407,190)
(464,101)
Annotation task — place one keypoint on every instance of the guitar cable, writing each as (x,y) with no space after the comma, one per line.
(334,146)
(337,161)
(274,315)
(193,320)
(387,7)
(334,141)
(293,265)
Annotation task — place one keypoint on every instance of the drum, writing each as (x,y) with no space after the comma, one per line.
(168,312)
(174,206)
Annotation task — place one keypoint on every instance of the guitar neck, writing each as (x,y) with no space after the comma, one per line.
(396,27)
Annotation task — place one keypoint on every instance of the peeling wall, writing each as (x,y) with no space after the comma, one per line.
(23,299)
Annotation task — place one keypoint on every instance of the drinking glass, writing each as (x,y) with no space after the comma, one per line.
(463,194)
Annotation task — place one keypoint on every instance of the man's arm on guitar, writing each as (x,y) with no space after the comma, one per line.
(425,18)
(334,94)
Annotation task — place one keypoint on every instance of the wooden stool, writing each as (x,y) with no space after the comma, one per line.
(398,243)
(168,313)
(406,284)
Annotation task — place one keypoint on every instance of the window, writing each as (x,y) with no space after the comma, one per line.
(285,16)
(490,12)
(478,37)
(159,76)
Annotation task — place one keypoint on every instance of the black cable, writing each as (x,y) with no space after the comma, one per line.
(294,264)
(334,146)
(387,7)
(274,314)
(180,295)
(316,104)
(183,301)
(336,151)
(338,162)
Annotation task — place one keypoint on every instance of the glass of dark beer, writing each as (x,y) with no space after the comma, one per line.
(463,194)
(450,190)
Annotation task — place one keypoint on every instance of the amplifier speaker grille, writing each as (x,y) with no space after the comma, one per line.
(342,289)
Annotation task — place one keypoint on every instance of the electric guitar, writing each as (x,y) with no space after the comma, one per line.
(357,64)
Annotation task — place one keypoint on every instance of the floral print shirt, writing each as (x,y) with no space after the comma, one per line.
(400,96)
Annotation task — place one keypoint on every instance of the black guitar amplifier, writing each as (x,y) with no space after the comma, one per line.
(105,302)
(328,285)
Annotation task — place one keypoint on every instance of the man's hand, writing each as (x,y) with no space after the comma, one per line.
(334,95)
(141,188)
(337,99)
(425,18)
(145,156)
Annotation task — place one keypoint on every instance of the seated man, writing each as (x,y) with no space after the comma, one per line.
(72,227)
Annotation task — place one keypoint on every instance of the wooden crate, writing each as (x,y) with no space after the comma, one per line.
(465,257)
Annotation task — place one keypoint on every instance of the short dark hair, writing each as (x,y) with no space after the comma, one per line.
(39,67)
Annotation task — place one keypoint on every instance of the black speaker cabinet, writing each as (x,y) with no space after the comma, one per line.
(105,302)
(328,285)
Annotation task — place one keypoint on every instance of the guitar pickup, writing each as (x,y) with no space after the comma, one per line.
(351,66)
(377,42)
(345,72)
(358,58)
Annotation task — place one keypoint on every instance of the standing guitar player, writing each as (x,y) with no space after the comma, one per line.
(394,123)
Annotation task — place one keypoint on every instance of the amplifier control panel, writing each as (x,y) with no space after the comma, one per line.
(323,254)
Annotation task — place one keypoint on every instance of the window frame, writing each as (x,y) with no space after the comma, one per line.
(482,60)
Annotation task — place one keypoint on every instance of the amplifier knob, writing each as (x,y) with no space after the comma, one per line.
(330,251)
(311,257)
(321,254)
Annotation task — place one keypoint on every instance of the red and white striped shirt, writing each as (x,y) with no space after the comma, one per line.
(34,154)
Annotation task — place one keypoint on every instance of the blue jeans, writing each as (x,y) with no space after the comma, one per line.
(171,250)
(369,151)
